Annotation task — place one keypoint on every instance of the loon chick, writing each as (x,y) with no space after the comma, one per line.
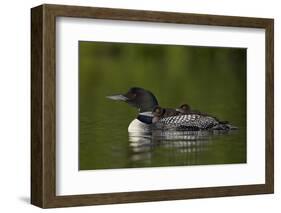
(184,109)
(151,116)
(159,112)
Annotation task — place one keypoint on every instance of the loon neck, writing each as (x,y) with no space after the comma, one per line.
(147,107)
(145,117)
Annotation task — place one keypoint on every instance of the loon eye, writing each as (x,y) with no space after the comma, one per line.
(133,95)
(130,95)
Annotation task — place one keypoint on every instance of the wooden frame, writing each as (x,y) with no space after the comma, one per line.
(43,128)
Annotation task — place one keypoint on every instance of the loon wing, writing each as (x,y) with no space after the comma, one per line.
(192,122)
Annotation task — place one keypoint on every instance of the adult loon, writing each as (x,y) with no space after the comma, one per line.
(153,117)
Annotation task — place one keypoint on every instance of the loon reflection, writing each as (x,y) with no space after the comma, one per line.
(191,144)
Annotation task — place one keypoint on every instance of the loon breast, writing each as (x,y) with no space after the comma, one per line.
(137,126)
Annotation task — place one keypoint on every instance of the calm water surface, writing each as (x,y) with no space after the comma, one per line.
(211,80)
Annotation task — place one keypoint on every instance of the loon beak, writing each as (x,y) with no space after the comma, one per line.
(118,97)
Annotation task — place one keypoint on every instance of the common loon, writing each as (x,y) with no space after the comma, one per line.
(153,117)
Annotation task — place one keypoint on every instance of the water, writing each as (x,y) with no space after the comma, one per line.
(212,80)
(121,149)
(184,148)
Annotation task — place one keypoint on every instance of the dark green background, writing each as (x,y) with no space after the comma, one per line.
(210,79)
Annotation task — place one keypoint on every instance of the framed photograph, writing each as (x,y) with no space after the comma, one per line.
(136,106)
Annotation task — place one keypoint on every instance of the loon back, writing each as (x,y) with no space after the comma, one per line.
(191,122)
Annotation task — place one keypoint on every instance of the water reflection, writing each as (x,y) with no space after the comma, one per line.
(185,146)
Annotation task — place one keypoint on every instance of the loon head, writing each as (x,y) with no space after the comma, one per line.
(137,97)
(158,111)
